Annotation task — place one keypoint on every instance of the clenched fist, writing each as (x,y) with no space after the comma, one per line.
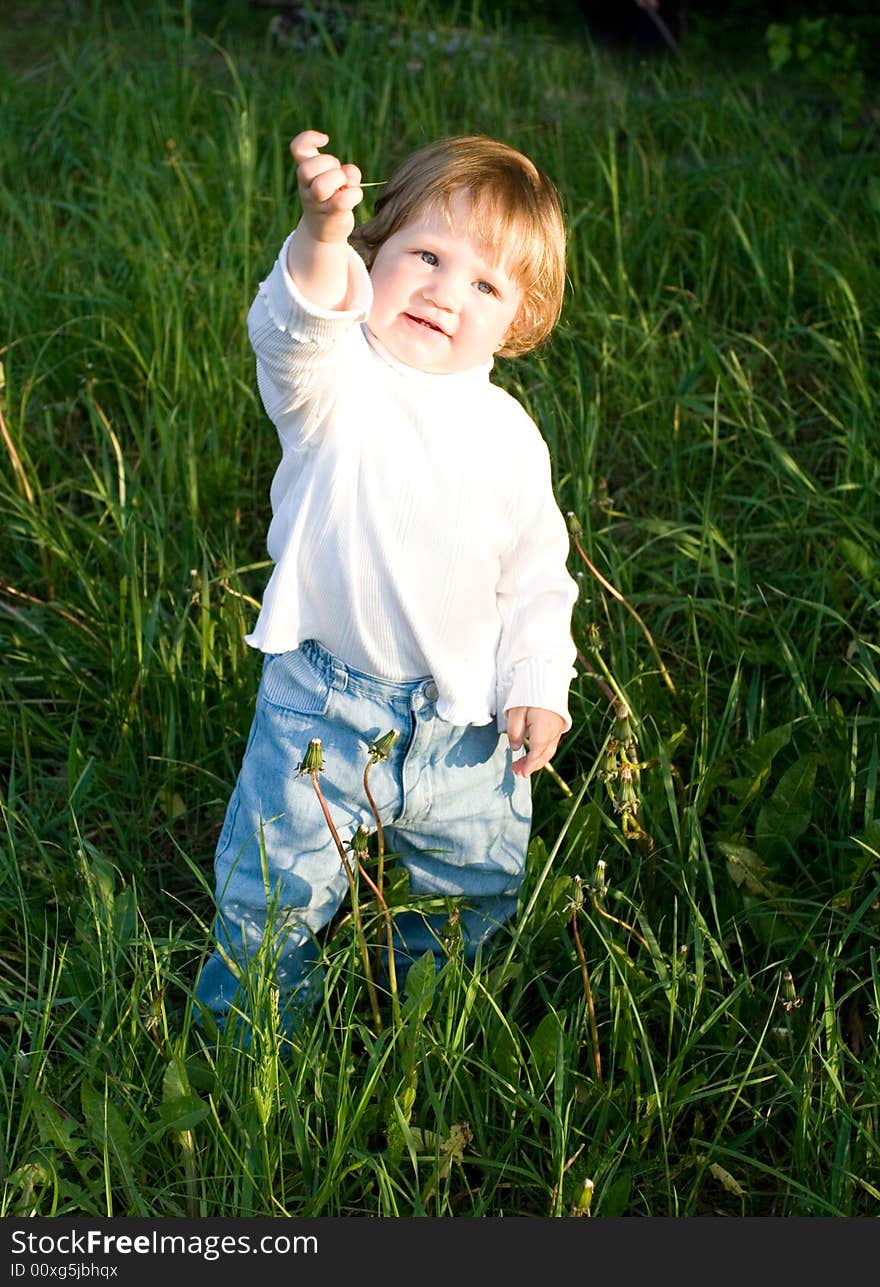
(328,190)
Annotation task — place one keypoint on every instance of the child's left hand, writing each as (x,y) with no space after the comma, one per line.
(541,728)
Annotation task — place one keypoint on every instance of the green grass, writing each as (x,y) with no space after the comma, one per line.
(709,403)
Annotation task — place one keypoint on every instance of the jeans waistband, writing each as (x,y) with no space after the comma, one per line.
(339,675)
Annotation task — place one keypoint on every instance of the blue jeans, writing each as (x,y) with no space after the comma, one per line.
(453,815)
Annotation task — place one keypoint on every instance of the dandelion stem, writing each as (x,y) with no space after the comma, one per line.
(389,935)
(379,751)
(591,670)
(548,768)
(355,907)
(623,924)
(588,994)
(380,832)
(560,781)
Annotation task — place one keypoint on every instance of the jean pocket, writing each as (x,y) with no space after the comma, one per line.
(291,683)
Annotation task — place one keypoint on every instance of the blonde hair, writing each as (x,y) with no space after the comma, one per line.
(515,212)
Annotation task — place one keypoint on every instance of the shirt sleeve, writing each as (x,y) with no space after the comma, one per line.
(298,347)
(535,598)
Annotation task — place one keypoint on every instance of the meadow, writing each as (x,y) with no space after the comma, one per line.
(683,1018)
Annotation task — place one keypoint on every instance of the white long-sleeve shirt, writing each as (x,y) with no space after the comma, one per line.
(414,530)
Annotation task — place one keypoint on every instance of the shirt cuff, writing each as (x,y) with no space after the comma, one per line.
(291,311)
(537,683)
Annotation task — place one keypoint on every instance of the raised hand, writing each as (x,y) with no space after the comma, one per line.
(328,190)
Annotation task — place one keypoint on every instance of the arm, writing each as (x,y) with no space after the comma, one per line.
(318,258)
(316,292)
(535,598)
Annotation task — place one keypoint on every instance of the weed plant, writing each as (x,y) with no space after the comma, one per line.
(683,1019)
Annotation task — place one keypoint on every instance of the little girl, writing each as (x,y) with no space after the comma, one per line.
(419,582)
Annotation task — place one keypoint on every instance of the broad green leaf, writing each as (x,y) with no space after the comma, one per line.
(105,1122)
(54,1127)
(503,974)
(671,743)
(30,1179)
(172,805)
(758,757)
(505,1055)
(861,860)
(786,815)
(419,988)
(837,720)
(398,1135)
(175,1082)
(200,1074)
(406,1100)
(185,1113)
(543,1045)
(769,926)
(864,561)
(536,854)
(559,894)
(124,917)
(100,873)
(747,869)
(584,831)
(757,760)
(181,1108)
(615,1199)
(396,887)
(656,955)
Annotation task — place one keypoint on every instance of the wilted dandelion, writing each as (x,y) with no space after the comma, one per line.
(313,760)
(584,1199)
(790,999)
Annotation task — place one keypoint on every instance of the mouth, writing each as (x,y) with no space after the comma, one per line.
(423,321)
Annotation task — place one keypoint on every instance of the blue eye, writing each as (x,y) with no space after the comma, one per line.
(429,257)
(486,287)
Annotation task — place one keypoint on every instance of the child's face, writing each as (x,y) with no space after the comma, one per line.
(439,302)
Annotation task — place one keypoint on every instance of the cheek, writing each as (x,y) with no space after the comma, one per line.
(514,320)
(387,284)
(501,325)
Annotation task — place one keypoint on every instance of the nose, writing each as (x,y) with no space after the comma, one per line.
(444,291)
